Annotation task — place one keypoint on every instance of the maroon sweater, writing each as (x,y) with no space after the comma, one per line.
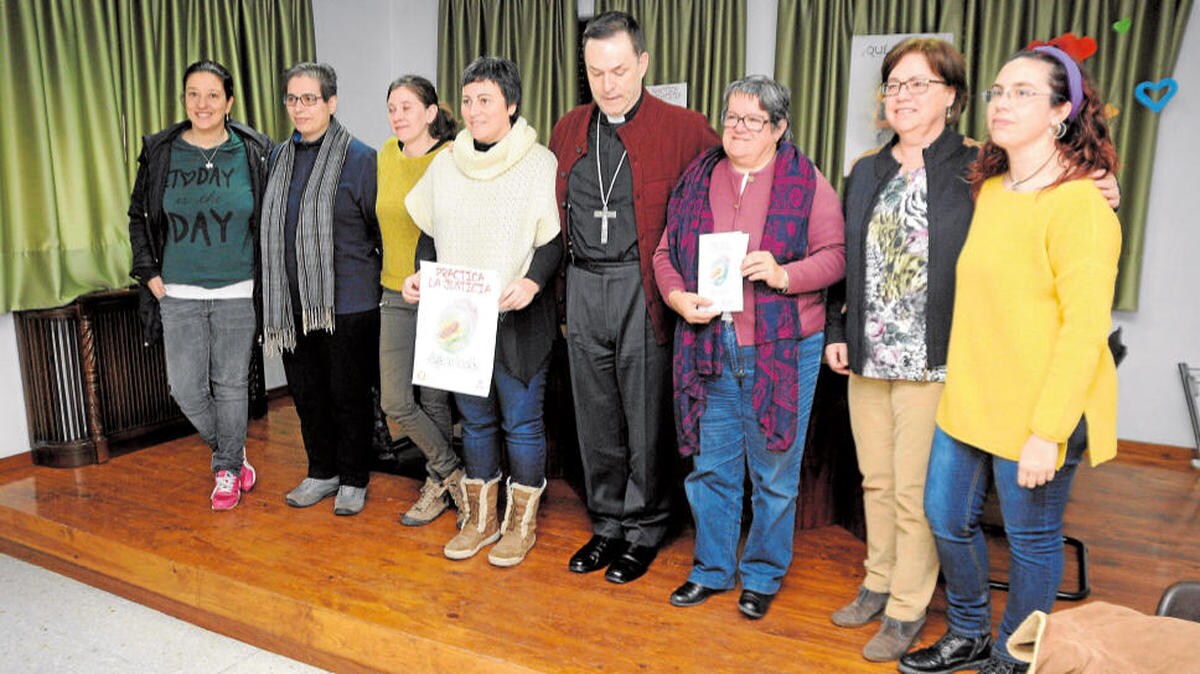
(662,139)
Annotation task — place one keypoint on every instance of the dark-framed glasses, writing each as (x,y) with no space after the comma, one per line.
(752,124)
(307,100)
(916,86)
(1018,94)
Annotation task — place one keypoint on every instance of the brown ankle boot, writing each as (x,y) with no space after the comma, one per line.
(520,525)
(481,526)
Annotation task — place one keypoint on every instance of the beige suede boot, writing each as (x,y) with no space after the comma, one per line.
(520,525)
(481,526)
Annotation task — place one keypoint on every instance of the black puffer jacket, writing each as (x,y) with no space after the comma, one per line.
(148,220)
(950,207)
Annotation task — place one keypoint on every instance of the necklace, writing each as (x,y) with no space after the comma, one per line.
(1013,183)
(208,158)
(604,213)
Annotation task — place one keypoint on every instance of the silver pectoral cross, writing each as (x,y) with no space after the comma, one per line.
(604,214)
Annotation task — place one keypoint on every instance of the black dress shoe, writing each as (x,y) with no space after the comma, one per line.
(597,554)
(753,604)
(692,594)
(951,653)
(631,565)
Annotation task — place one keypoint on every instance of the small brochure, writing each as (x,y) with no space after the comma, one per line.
(720,269)
(456,328)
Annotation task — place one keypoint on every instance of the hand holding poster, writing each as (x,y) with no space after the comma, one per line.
(456,328)
(719,271)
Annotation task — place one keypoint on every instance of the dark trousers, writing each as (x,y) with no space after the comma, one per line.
(621,380)
(330,376)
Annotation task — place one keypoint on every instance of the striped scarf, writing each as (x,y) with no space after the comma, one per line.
(314,242)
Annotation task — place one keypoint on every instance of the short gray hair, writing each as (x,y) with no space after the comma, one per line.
(323,73)
(773,97)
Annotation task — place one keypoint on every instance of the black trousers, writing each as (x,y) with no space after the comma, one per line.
(330,376)
(621,380)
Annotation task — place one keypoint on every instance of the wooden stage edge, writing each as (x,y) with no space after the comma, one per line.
(366,594)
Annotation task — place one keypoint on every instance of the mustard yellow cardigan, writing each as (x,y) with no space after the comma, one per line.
(397,174)
(1032,312)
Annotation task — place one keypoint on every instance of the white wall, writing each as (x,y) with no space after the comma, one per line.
(371,42)
(1166,327)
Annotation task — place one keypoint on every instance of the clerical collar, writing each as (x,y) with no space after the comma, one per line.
(614,121)
(483,147)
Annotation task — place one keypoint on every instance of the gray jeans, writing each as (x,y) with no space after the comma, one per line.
(208,346)
(427,424)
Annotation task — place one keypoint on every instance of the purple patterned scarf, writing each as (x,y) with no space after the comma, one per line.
(698,348)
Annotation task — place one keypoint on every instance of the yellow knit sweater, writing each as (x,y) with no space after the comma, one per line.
(1032,311)
(397,174)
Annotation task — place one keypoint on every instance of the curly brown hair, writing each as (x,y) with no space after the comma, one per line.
(1087,144)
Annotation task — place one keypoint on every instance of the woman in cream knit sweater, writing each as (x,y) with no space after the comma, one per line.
(489,203)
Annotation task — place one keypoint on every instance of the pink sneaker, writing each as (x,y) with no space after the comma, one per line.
(225,495)
(249,476)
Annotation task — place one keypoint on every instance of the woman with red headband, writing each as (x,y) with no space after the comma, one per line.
(1028,364)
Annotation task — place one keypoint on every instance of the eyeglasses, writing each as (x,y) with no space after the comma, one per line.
(916,86)
(307,100)
(1021,94)
(752,124)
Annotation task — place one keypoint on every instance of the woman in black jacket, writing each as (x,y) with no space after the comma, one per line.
(193,225)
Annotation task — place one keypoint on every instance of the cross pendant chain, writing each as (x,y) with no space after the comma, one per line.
(603,215)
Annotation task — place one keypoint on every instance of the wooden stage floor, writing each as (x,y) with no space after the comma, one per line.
(365,593)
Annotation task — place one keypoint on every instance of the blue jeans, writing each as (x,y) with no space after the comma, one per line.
(208,344)
(731,441)
(517,409)
(957,484)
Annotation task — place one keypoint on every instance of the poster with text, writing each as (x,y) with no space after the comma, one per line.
(866,126)
(456,328)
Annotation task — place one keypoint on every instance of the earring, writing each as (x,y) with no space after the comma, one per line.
(1059,130)
(948,115)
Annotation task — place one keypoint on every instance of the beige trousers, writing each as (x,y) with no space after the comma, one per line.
(893,424)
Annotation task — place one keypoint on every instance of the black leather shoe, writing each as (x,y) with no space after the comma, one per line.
(631,565)
(692,594)
(753,604)
(597,554)
(951,653)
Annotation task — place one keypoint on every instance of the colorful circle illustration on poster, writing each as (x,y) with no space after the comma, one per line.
(719,271)
(456,325)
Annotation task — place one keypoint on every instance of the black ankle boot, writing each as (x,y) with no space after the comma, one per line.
(951,653)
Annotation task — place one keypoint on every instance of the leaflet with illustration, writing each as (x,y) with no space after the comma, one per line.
(719,275)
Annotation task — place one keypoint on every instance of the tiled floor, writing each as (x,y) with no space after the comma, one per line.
(51,623)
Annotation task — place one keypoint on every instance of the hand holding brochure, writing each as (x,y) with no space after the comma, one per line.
(719,271)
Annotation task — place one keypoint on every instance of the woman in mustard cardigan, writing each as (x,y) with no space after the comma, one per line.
(423,129)
(1028,360)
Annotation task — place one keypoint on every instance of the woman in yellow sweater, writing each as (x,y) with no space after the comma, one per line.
(1028,361)
(423,129)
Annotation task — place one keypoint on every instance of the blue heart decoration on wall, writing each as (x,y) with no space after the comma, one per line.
(1142,93)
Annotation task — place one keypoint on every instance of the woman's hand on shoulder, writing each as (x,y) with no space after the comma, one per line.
(1106,182)
(411,290)
(759,265)
(838,357)
(691,307)
(518,294)
(1037,464)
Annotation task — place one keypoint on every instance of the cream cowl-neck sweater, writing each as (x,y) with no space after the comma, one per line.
(489,210)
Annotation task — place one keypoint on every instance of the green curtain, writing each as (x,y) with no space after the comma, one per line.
(80,83)
(812,57)
(700,42)
(540,36)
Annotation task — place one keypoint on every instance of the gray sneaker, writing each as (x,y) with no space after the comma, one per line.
(350,500)
(893,640)
(311,491)
(433,502)
(866,607)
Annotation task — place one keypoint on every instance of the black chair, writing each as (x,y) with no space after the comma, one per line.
(1181,600)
